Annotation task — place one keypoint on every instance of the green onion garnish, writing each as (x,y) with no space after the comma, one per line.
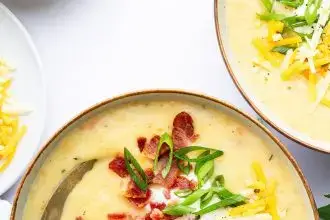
(192,198)
(268,4)
(271,16)
(178,210)
(234,200)
(140,179)
(292,3)
(219,181)
(282,49)
(165,138)
(183,193)
(206,199)
(311,10)
(184,168)
(182,154)
(198,165)
(205,172)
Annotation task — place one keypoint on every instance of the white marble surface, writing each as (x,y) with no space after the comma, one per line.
(95,49)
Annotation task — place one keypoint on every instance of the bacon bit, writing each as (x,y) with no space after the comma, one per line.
(157,205)
(167,194)
(141,141)
(183,130)
(156,214)
(79,218)
(141,202)
(150,174)
(133,191)
(169,181)
(150,149)
(118,166)
(121,216)
(183,183)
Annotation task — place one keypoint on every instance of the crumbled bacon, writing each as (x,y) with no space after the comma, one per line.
(79,218)
(156,214)
(117,216)
(150,148)
(157,205)
(174,172)
(183,130)
(141,142)
(141,202)
(150,174)
(118,166)
(133,191)
(183,183)
(167,194)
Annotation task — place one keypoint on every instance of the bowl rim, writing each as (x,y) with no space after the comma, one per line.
(177,92)
(246,97)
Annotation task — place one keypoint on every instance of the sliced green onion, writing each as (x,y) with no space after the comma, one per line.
(178,210)
(182,167)
(183,193)
(295,21)
(268,4)
(192,198)
(282,49)
(271,16)
(206,199)
(223,193)
(292,3)
(311,11)
(198,165)
(234,200)
(205,172)
(141,179)
(182,154)
(219,181)
(165,138)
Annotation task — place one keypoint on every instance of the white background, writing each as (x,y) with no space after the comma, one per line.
(95,49)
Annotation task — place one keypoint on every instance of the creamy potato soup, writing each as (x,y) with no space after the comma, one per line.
(169,160)
(283,57)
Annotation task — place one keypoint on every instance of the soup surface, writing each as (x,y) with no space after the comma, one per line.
(105,135)
(289,100)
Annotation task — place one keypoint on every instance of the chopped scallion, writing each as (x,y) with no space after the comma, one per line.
(183,193)
(165,138)
(140,179)
(178,210)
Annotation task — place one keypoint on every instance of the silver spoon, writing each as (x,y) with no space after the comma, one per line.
(55,205)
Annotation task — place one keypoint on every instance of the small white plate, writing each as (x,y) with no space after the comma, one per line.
(17,49)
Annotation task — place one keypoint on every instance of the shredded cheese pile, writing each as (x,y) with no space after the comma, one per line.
(11,132)
(266,197)
(301,53)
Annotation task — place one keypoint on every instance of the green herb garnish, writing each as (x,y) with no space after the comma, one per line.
(182,167)
(311,10)
(268,4)
(182,154)
(165,138)
(324,212)
(205,172)
(271,16)
(178,210)
(219,181)
(140,178)
(236,199)
(282,49)
(292,3)
(193,197)
(183,193)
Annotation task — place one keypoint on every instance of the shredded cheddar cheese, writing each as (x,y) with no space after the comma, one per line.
(11,132)
(266,201)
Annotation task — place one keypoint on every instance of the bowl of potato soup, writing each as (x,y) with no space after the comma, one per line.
(278,55)
(166,155)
